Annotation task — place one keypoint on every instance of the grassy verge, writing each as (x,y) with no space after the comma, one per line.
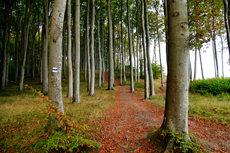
(22,119)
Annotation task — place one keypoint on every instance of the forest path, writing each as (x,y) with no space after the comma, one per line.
(129,121)
(132,120)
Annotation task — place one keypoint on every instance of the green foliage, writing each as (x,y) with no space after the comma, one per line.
(213,86)
(156,71)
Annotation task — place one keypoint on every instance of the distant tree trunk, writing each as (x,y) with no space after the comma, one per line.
(195,65)
(99,48)
(64,51)
(32,58)
(28,60)
(69,59)
(110,48)
(137,45)
(141,61)
(4,59)
(226,19)
(87,47)
(8,52)
(145,53)
(92,81)
(176,106)
(114,49)
(102,51)
(130,51)
(16,49)
(45,49)
(55,54)
(39,50)
(134,54)
(215,55)
(25,42)
(152,93)
(222,54)
(76,86)
(201,66)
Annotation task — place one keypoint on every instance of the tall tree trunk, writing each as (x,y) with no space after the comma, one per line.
(159,45)
(92,81)
(99,47)
(137,45)
(215,55)
(76,86)
(110,48)
(45,49)
(102,51)
(55,54)
(69,59)
(226,19)
(176,106)
(114,49)
(25,43)
(28,60)
(16,49)
(4,59)
(152,93)
(134,54)
(195,65)
(222,54)
(145,53)
(8,52)
(64,50)
(87,47)
(32,58)
(201,65)
(130,50)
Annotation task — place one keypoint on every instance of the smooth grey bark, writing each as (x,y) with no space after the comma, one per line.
(120,58)
(76,86)
(159,45)
(134,54)
(114,49)
(215,55)
(145,52)
(92,81)
(226,20)
(130,50)
(28,60)
(137,45)
(152,93)
(32,58)
(69,59)
(201,65)
(99,48)
(87,47)
(16,48)
(64,50)
(45,48)
(24,43)
(121,44)
(222,54)
(124,57)
(55,55)
(195,64)
(110,48)
(141,60)
(102,51)
(177,102)
(4,59)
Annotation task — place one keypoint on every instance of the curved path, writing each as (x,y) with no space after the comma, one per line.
(131,120)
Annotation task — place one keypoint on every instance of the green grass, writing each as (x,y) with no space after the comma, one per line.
(22,118)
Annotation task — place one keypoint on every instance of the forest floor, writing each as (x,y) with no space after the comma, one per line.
(132,119)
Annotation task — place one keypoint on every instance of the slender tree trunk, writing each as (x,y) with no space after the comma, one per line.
(87,47)
(8,52)
(25,43)
(114,49)
(4,59)
(201,65)
(32,58)
(226,19)
(152,93)
(64,51)
(137,45)
(55,54)
(176,106)
(130,51)
(110,48)
(16,49)
(195,65)
(222,54)
(45,49)
(76,86)
(134,54)
(28,60)
(159,45)
(102,51)
(216,57)
(92,81)
(69,59)
(99,48)
(145,53)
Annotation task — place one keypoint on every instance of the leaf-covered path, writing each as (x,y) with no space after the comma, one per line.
(131,120)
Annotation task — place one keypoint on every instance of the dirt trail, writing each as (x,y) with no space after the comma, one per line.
(132,120)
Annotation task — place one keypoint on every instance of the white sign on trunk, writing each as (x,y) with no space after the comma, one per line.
(54,69)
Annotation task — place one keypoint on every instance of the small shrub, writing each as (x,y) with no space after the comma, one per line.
(156,71)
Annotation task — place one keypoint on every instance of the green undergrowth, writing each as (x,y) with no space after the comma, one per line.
(24,116)
(161,138)
(213,86)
